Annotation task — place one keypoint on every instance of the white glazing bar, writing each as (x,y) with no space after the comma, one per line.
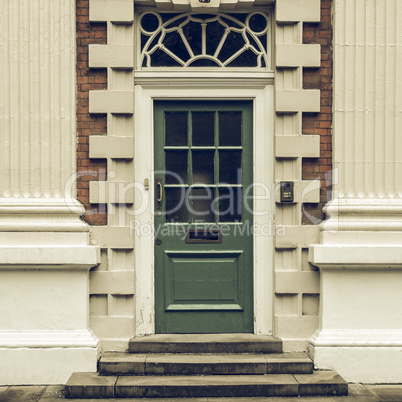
(204,38)
(184,39)
(237,54)
(218,49)
(172,55)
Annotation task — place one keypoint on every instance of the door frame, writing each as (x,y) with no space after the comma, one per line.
(256,87)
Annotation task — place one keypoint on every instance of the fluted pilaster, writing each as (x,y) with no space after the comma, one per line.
(368,98)
(367,116)
(37,112)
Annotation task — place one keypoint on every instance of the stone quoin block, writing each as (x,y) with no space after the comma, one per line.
(111,102)
(105,146)
(111,10)
(298,10)
(298,55)
(114,56)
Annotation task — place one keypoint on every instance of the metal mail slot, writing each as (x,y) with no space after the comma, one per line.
(204,236)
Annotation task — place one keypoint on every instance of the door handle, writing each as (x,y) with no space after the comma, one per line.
(159,192)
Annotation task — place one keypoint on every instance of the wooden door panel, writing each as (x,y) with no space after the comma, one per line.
(204,280)
(203,219)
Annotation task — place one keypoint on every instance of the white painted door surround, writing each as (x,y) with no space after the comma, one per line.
(121,104)
(260,90)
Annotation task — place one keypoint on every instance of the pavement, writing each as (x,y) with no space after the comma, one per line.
(55,393)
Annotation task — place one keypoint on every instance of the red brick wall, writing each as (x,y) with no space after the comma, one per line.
(319,123)
(89,124)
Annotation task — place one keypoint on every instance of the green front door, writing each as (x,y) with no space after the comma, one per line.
(203,216)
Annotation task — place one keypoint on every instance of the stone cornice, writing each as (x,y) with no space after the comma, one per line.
(48,257)
(357,338)
(359,257)
(363,214)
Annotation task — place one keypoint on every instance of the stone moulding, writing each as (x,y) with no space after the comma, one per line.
(357,338)
(65,257)
(48,339)
(357,257)
(39,215)
(363,214)
(195,5)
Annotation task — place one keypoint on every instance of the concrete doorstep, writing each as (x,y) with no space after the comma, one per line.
(202,364)
(93,385)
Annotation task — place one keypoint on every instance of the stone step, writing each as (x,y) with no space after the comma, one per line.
(205,343)
(196,364)
(93,385)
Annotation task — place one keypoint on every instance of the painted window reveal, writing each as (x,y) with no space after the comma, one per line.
(204,40)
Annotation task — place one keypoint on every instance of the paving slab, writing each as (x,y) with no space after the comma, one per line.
(358,390)
(321,383)
(292,398)
(141,400)
(206,386)
(386,393)
(22,393)
(122,363)
(205,343)
(53,393)
(90,385)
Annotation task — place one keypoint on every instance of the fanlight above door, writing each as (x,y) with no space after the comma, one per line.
(204,40)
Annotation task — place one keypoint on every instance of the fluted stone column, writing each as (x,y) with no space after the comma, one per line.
(45,254)
(360,255)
